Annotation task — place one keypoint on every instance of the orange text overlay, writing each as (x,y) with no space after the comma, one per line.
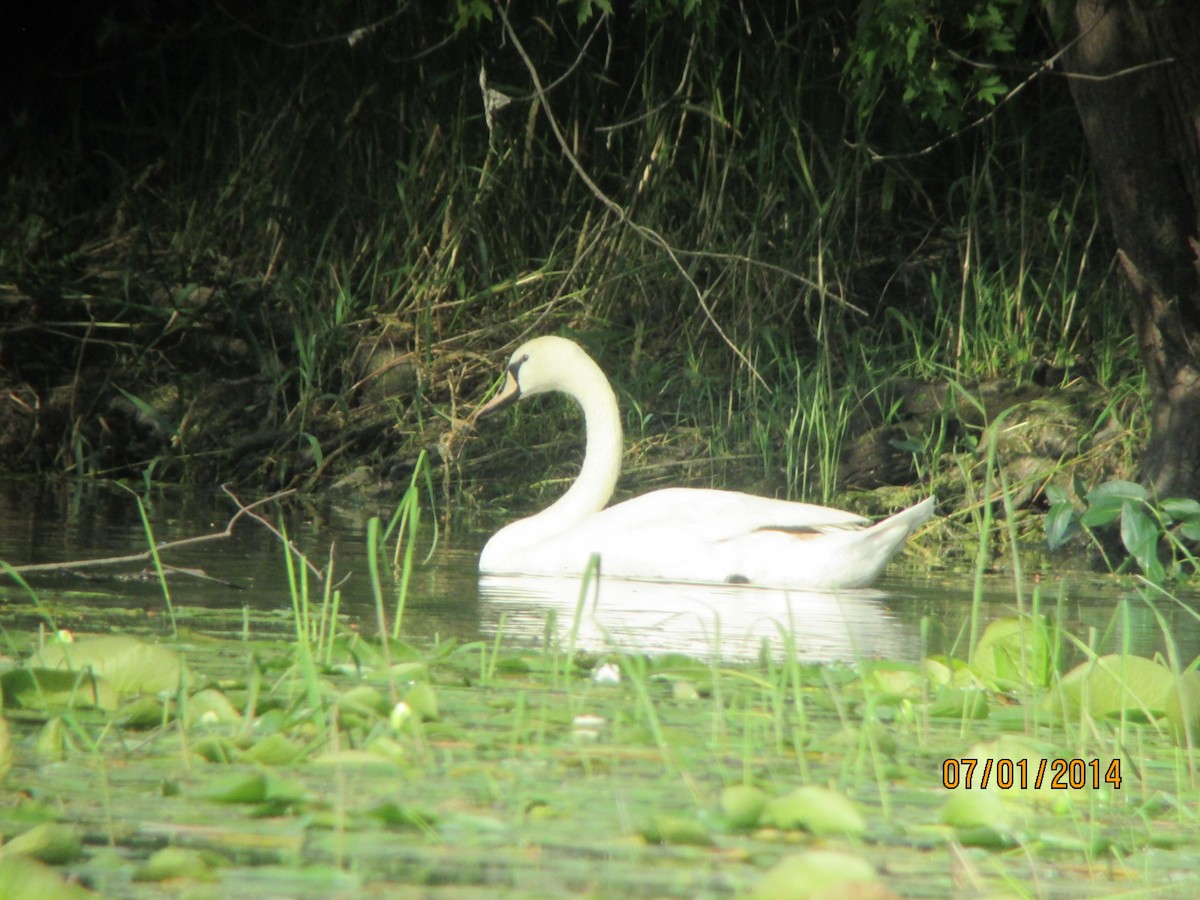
(1057,774)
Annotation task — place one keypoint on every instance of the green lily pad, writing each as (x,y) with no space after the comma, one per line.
(275,750)
(21,876)
(1183,708)
(422,699)
(35,688)
(670,829)
(256,787)
(171,863)
(817,873)
(1014,652)
(1119,684)
(211,707)
(131,665)
(814,809)
(742,805)
(49,842)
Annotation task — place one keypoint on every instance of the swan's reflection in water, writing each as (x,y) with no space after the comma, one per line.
(732,623)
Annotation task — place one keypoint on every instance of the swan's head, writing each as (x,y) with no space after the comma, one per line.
(539,366)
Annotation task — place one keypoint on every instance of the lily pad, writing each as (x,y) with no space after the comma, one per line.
(257,787)
(21,876)
(131,665)
(35,688)
(1014,652)
(1183,708)
(817,873)
(1119,684)
(814,809)
(211,707)
(669,829)
(49,842)
(177,862)
(742,805)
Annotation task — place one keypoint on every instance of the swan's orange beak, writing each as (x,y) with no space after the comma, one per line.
(509,394)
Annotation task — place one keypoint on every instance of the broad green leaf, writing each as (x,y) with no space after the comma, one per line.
(131,665)
(1181,509)
(275,750)
(975,808)
(894,679)
(257,787)
(1117,491)
(959,703)
(1119,684)
(1183,708)
(979,819)
(211,707)
(1013,652)
(1056,494)
(1138,530)
(21,876)
(817,873)
(422,699)
(1061,523)
(670,829)
(56,689)
(1100,514)
(171,863)
(50,842)
(396,815)
(741,805)
(814,809)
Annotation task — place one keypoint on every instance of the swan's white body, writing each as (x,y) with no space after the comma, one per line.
(676,534)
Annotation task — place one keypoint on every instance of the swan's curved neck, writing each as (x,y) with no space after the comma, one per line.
(597,479)
(592,488)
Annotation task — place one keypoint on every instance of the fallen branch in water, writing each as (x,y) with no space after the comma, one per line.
(146,555)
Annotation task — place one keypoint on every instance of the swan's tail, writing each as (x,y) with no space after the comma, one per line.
(890,534)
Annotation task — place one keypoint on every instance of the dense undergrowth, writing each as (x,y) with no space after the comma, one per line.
(290,246)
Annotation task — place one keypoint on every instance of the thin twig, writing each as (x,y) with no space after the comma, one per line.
(243,510)
(644,231)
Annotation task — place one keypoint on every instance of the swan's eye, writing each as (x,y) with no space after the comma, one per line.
(517,363)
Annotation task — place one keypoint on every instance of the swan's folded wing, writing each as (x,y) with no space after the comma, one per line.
(712,516)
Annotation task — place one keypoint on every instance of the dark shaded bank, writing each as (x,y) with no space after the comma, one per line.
(291,246)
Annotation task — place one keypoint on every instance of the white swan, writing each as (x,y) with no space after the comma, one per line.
(677,534)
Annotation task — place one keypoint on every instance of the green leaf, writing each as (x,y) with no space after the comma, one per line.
(817,873)
(1140,534)
(24,877)
(741,805)
(668,829)
(49,842)
(1013,652)
(1181,509)
(1056,494)
(1183,708)
(55,689)
(816,810)
(1104,512)
(1061,523)
(257,787)
(130,665)
(1118,491)
(171,863)
(1119,684)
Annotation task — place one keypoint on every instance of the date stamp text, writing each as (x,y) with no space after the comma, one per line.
(1059,774)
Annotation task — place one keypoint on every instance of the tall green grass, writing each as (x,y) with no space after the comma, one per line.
(279,218)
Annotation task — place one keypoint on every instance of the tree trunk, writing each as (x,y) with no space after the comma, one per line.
(1135,79)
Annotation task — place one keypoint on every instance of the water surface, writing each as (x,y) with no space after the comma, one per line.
(241,582)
